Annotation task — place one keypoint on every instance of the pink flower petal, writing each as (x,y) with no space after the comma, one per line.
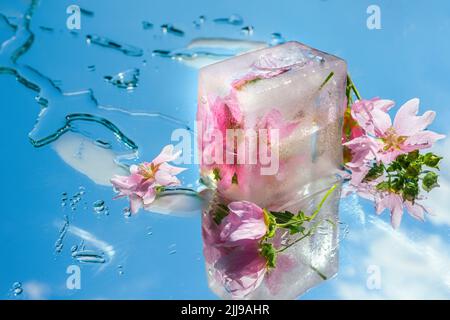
(164,178)
(166,155)
(422,140)
(416,210)
(407,123)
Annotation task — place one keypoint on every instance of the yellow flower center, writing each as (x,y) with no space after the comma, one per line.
(148,171)
(392,140)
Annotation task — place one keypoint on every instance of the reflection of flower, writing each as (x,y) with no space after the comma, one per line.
(245,224)
(395,204)
(243,247)
(145,179)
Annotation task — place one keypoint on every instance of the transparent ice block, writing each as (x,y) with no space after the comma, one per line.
(293,85)
(312,260)
(299,91)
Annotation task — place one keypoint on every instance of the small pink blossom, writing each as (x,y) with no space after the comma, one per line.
(407,133)
(144,179)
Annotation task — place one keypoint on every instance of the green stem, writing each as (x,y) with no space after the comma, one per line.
(326,80)
(353,87)
(292,243)
(324,277)
(322,202)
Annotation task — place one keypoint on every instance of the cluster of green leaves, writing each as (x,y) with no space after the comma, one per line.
(407,174)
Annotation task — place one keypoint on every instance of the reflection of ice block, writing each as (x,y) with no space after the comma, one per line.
(292,88)
(300,267)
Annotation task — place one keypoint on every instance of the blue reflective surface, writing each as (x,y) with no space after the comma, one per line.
(157,256)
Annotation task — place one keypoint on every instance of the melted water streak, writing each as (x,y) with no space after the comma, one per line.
(60,111)
(203,51)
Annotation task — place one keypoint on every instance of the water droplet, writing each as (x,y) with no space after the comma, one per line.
(91,68)
(173,248)
(248,30)
(108,43)
(199,21)
(17,288)
(126,212)
(147,25)
(120,269)
(88,256)
(99,206)
(276,39)
(149,231)
(169,28)
(234,20)
(127,79)
(74,248)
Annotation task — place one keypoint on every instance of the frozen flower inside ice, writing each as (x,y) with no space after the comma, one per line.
(147,179)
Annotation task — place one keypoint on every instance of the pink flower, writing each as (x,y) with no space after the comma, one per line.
(407,133)
(244,223)
(395,204)
(242,270)
(364,111)
(144,179)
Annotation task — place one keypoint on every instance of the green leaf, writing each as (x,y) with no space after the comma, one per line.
(234,179)
(375,172)
(430,181)
(269,252)
(216,174)
(414,169)
(220,213)
(412,156)
(271,223)
(383,186)
(282,217)
(410,190)
(431,160)
(290,221)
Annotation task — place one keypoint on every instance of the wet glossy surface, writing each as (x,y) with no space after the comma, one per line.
(57,207)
